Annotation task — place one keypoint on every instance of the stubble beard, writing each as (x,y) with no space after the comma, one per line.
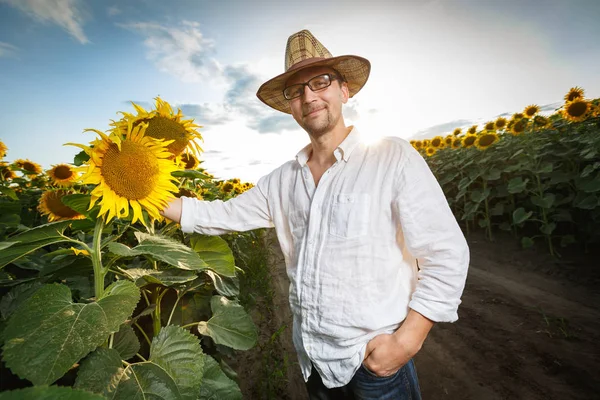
(320,126)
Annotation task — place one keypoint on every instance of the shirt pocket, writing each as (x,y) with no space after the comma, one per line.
(350,215)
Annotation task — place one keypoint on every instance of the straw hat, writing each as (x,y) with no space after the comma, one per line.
(304,50)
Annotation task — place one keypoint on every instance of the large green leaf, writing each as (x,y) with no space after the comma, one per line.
(179,353)
(31,240)
(517,185)
(215,252)
(167,277)
(162,249)
(126,342)
(97,370)
(216,385)
(17,295)
(190,173)
(143,381)
(225,286)
(48,333)
(230,325)
(520,215)
(49,393)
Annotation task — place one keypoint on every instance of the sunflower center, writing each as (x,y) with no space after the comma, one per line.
(57,207)
(27,166)
(132,172)
(469,141)
(519,126)
(577,109)
(164,128)
(63,172)
(486,140)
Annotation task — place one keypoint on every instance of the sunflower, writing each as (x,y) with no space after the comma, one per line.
(52,206)
(541,122)
(456,143)
(3,149)
(418,144)
(468,140)
(28,166)
(485,140)
(430,151)
(227,187)
(63,174)
(472,130)
(188,161)
(574,93)
(576,110)
(6,172)
(426,142)
(500,123)
(183,192)
(448,140)
(531,110)
(457,132)
(437,141)
(134,170)
(519,126)
(163,123)
(518,116)
(490,126)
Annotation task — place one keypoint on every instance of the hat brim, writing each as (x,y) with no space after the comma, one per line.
(354,69)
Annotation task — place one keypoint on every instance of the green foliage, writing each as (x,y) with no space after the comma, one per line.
(230,325)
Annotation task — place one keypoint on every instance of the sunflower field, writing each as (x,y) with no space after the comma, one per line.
(101,297)
(535,176)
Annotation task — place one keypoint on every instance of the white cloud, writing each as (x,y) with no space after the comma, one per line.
(65,13)
(180,51)
(7,50)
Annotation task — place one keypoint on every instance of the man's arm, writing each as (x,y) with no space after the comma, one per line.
(173,210)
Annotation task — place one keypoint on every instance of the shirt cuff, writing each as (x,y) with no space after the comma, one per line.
(187,215)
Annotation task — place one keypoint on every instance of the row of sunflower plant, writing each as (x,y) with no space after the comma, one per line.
(101,296)
(533,175)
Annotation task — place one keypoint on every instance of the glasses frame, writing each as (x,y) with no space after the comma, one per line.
(332,77)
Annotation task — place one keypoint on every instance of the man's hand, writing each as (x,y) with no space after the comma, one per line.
(173,210)
(386,354)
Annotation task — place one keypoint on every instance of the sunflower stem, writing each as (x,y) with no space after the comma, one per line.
(156,297)
(96,255)
(173,310)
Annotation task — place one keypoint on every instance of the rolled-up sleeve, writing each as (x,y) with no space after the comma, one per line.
(432,235)
(249,210)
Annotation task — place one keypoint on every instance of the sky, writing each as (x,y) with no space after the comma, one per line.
(68,65)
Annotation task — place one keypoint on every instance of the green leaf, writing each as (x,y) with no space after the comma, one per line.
(520,216)
(162,249)
(483,223)
(17,295)
(216,385)
(546,167)
(547,229)
(31,240)
(492,175)
(498,209)
(142,381)
(49,333)
(9,192)
(80,158)
(167,277)
(230,325)
(80,203)
(191,174)
(567,240)
(179,353)
(586,202)
(229,287)
(517,185)
(526,242)
(589,184)
(560,177)
(505,226)
(49,393)
(547,202)
(126,342)
(97,370)
(215,252)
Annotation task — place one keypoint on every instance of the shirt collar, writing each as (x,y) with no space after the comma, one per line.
(343,151)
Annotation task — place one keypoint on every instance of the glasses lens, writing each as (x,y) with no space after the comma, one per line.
(319,82)
(293,91)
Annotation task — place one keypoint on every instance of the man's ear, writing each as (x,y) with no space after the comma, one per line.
(345,92)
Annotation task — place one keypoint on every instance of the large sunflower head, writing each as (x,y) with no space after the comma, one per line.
(490,126)
(456,143)
(485,140)
(6,173)
(29,167)
(468,140)
(437,142)
(134,170)
(519,126)
(164,124)
(576,110)
(52,206)
(472,130)
(500,123)
(63,174)
(430,151)
(457,132)
(531,110)
(3,149)
(574,93)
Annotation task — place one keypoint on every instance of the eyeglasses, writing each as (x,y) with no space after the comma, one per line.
(315,84)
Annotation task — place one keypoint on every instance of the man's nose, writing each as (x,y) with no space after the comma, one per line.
(308,96)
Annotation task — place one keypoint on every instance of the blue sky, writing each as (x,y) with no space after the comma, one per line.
(67,65)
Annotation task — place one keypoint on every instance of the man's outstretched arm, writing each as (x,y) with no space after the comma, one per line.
(173,210)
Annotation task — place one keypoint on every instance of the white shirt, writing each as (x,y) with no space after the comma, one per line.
(351,246)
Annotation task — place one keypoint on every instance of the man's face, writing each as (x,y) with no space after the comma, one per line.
(318,112)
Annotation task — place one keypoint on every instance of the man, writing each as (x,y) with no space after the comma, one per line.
(353,220)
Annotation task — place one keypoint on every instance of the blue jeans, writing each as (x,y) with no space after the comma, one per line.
(365,385)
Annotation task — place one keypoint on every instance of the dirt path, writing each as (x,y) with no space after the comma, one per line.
(527,330)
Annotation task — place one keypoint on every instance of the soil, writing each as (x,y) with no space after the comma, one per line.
(528,328)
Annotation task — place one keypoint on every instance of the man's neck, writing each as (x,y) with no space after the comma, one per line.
(324,145)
